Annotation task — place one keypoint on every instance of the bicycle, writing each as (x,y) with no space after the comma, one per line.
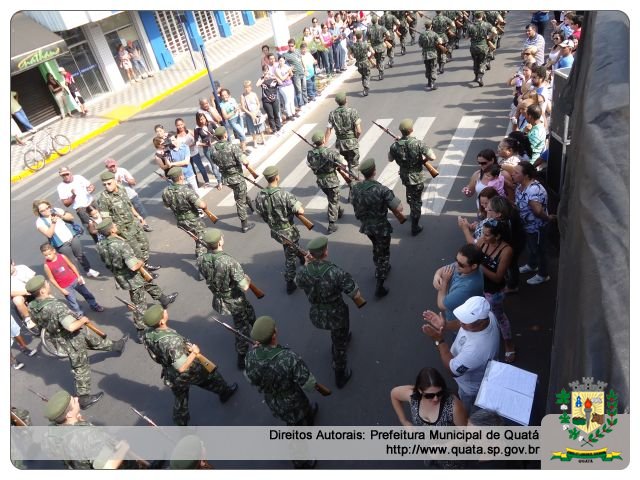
(41,148)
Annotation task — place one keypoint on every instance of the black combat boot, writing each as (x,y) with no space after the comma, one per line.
(441,68)
(381,291)
(246,226)
(227,395)
(488,67)
(434,86)
(480,82)
(250,205)
(151,268)
(415,228)
(342,377)
(240,362)
(340,212)
(381,74)
(86,401)
(428,85)
(332,228)
(291,287)
(166,300)
(119,345)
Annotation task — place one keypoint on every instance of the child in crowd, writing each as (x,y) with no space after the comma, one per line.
(495,180)
(64,275)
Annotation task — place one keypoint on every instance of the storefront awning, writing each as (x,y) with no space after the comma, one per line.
(32,44)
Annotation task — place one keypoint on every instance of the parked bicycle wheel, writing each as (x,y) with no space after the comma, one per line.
(34,159)
(50,345)
(61,144)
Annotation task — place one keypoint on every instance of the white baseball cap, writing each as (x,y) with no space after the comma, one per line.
(474,309)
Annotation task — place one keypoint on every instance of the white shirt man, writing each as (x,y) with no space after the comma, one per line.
(20,275)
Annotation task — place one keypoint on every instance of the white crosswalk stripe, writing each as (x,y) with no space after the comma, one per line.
(437,192)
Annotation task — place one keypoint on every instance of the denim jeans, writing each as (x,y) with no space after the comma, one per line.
(214,167)
(82,290)
(235,124)
(311,88)
(73,248)
(338,57)
(300,88)
(536,248)
(196,161)
(140,208)
(327,60)
(22,119)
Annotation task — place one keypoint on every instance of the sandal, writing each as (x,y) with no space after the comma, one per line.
(509,357)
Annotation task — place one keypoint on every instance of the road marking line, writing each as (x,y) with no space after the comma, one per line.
(437,192)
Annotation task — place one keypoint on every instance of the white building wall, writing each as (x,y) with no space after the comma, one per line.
(144,41)
(104,56)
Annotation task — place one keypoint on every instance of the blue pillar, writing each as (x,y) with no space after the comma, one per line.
(248,18)
(191,26)
(223,26)
(162,54)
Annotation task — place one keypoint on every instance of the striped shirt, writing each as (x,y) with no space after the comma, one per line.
(538,42)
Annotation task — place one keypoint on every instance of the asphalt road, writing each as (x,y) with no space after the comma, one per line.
(388,349)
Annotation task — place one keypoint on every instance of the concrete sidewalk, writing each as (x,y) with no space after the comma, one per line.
(115,107)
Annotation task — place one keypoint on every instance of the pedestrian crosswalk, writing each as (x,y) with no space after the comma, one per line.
(290,157)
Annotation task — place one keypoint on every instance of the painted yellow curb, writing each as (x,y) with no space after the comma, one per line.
(123,112)
(174,89)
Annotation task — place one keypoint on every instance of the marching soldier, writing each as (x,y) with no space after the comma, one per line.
(114,203)
(282,377)
(410,154)
(346,122)
(362,52)
(377,34)
(403,29)
(230,160)
(228,282)
(430,41)
(180,363)
(118,256)
(412,24)
(454,16)
(444,27)
(184,203)
(68,333)
(277,208)
(391,23)
(371,200)
(324,283)
(494,19)
(480,33)
(322,161)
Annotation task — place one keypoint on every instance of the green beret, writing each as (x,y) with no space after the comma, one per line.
(105,225)
(57,405)
(212,236)
(187,453)
(220,131)
(270,172)
(153,315)
(406,125)
(427,22)
(318,244)
(341,98)
(317,136)
(174,172)
(358,34)
(34,284)
(367,165)
(263,329)
(104,176)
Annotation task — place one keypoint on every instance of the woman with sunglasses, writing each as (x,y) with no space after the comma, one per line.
(430,404)
(554,53)
(486,158)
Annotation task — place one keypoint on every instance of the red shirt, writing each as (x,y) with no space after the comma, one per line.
(61,271)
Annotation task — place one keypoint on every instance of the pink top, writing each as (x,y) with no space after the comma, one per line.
(61,271)
(498,184)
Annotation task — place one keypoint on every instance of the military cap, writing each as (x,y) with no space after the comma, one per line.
(34,284)
(212,236)
(104,176)
(174,172)
(153,315)
(270,172)
(263,329)
(406,125)
(317,136)
(105,225)
(57,405)
(318,244)
(341,98)
(186,453)
(358,34)
(479,14)
(427,22)
(367,165)
(220,131)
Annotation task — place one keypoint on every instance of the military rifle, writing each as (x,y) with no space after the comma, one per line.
(42,397)
(17,421)
(432,171)
(210,214)
(255,183)
(204,361)
(163,177)
(256,291)
(91,326)
(145,274)
(152,423)
(323,390)
(250,169)
(286,241)
(344,173)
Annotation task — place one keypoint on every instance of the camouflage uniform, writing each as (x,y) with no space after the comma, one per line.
(324,283)
(321,161)
(409,153)
(183,202)
(478,32)
(403,29)
(229,159)
(283,378)
(117,206)
(371,200)
(492,17)
(454,15)
(428,41)
(412,25)
(441,24)
(118,256)
(390,22)
(77,443)
(169,349)
(360,51)
(55,316)
(225,278)
(277,207)
(344,121)
(376,36)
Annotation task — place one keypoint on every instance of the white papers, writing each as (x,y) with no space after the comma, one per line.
(507,390)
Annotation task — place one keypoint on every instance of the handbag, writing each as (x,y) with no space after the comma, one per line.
(76,228)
